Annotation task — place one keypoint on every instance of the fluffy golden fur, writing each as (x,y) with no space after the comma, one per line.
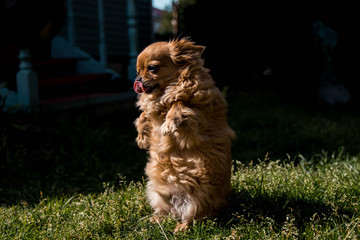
(183,126)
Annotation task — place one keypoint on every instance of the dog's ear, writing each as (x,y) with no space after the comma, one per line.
(184,52)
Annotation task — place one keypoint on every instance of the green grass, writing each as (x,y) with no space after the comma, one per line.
(270,200)
(80,175)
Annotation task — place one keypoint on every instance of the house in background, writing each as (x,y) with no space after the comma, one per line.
(71,53)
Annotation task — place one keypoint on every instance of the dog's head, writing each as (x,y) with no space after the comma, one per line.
(162,63)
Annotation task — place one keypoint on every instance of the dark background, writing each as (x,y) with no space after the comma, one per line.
(244,39)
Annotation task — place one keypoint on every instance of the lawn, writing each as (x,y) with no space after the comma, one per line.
(79,175)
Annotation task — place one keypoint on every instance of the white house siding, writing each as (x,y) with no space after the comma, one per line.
(86,26)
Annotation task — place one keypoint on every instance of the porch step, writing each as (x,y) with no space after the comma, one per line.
(74,79)
(74,85)
(82,100)
(55,67)
(60,87)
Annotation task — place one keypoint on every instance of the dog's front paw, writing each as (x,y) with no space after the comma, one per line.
(168,128)
(143,141)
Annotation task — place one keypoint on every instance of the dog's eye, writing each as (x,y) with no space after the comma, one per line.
(153,68)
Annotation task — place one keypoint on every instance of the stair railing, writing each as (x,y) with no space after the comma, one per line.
(133,38)
(102,38)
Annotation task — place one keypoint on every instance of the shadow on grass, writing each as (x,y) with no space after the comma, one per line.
(61,154)
(269,123)
(277,211)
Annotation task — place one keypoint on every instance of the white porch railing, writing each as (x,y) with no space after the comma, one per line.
(27,81)
(27,95)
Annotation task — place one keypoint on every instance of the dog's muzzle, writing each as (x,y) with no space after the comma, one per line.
(141,87)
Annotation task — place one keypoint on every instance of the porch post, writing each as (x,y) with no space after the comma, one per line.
(102,44)
(70,23)
(27,81)
(133,38)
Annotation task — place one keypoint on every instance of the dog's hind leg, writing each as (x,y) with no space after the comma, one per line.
(184,209)
(158,201)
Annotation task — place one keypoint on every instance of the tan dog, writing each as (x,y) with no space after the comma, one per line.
(183,126)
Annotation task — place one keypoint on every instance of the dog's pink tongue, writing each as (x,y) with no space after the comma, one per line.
(138,87)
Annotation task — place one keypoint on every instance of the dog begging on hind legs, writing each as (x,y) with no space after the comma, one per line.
(183,127)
